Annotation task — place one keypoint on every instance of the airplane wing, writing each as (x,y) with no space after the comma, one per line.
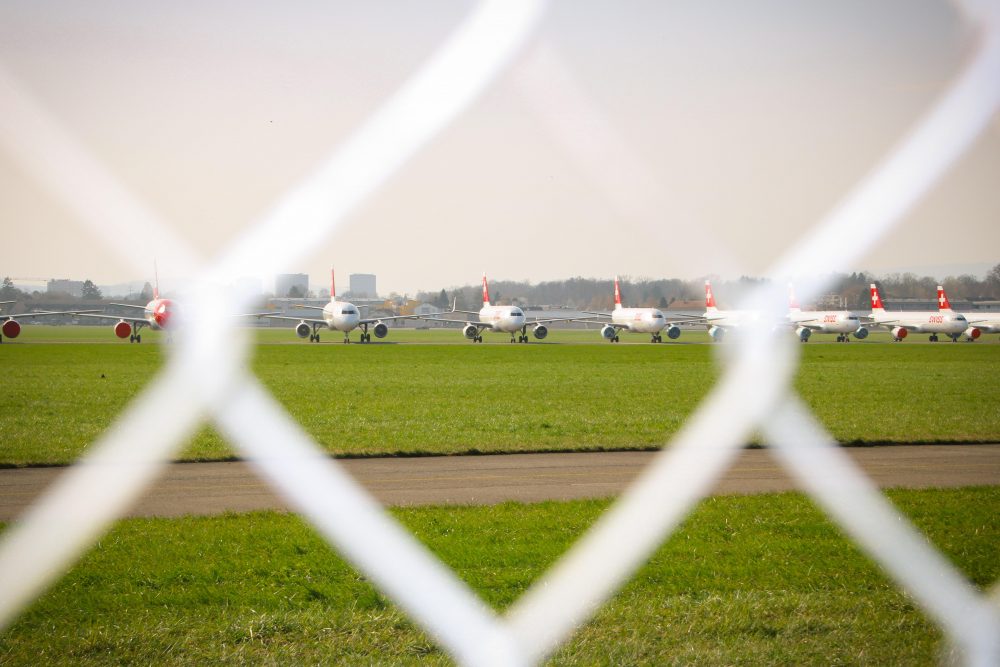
(372,320)
(128,305)
(311,320)
(106,316)
(39,313)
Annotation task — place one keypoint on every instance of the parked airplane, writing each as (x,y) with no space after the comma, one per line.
(901,323)
(636,320)
(504,319)
(721,321)
(841,322)
(338,316)
(11,328)
(159,315)
(976,327)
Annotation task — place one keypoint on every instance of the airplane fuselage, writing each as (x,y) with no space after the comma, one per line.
(930,322)
(159,313)
(639,320)
(341,316)
(827,321)
(509,319)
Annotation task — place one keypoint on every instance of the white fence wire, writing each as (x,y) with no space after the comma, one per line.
(206,376)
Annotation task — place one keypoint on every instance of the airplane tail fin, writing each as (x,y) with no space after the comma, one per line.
(486,292)
(618,295)
(156,281)
(793,303)
(333,286)
(943,303)
(876,299)
(709,297)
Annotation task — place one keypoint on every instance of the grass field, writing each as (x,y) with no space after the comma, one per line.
(432,392)
(746,580)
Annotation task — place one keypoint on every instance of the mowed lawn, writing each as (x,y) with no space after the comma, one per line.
(430,392)
(746,580)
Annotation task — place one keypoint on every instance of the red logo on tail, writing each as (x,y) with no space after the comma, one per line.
(876,299)
(333,286)
(486,292)
(618,293)
(709,297)
(943,299)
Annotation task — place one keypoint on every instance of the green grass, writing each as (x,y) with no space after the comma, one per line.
(746,580)
(62,390)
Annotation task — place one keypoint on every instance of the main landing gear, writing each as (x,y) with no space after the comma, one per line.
(134,337)
(657,338)
(843,338)
(522,338)
(933,338)
(365,336)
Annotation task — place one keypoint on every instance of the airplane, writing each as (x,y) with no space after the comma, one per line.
(635,320)
(505,319)
(159,315)
(11,328)
(841,322)
(338,316)
(901,323)
(719,322)
(976,327)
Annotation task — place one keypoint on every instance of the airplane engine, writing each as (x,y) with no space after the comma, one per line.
(899,333)
(470,331)
(673,332)
(303,330)
(381,330)
(11,329)
(123,329)
(803,333)
(972,333)
(608,331)
(717,333)
(540,331)
(861,333)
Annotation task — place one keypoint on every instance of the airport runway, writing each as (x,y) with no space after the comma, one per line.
(213,488)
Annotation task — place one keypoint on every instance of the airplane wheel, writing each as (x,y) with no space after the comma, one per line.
(616,339)
(131,339)
(138,338)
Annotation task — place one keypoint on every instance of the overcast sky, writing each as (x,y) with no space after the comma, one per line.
(735,125)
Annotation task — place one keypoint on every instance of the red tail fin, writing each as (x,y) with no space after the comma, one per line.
(486,292)
(876,299)
(333,286)
(943,299)
(709,297)
(156,281)
(793,303)
(618,295)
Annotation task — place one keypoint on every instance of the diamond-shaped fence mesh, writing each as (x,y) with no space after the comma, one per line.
(206,379)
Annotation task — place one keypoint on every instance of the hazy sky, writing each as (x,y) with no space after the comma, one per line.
(742,121)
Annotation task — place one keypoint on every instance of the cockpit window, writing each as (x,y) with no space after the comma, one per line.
(348,311)
(658,316)
(515,312)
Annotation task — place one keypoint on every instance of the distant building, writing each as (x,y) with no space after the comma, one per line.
(285,283)
(363,285)
(71,287)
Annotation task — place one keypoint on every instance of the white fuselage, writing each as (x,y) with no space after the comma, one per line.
(639,320)
(931,322)
(730,319)
(509,319)
(826,321)
(341,316)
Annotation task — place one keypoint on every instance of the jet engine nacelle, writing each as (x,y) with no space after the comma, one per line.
(803,333)
(673,332)
(899,333)
(540,331)
(381,330)
(123,329)
(303,330)
(470,331)
(972,333)
(861,333)
(608,331)
(11,329)
(717,333)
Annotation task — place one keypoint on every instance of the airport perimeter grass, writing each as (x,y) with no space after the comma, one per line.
(433,393)
(746,580)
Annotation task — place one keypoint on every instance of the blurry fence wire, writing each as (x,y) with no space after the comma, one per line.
(206,376)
